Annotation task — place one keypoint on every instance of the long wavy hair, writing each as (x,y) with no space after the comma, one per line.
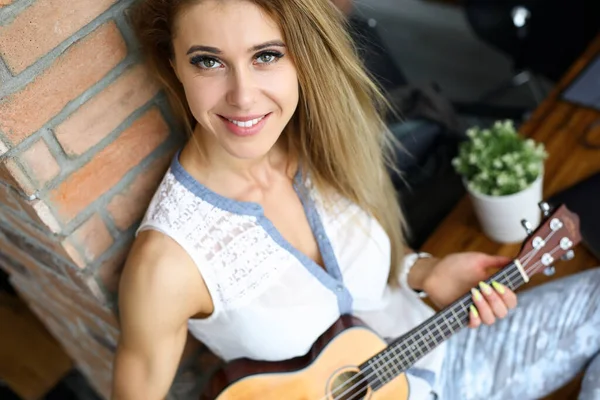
(337,132)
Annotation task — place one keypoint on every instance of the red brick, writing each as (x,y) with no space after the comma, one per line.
(40,162)
(12,174)
(109,272)
(97,118)
(41,215)
(81,280)
(69,300)
(101,342)
(72,300)
(9,198)
(3,146)
(22,259)
(46,258)
(37,211)
(109,166)
(42,26)
(44,238)
(12,266)
(93,238)
(129,206)
(75,71)
(74,254)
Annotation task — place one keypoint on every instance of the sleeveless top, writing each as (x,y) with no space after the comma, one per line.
(271,302)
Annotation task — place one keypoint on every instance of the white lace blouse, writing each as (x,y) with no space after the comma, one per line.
(271,302)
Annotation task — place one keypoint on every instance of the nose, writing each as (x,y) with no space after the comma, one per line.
(241,93)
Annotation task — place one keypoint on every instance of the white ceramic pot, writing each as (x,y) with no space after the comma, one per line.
(500,216)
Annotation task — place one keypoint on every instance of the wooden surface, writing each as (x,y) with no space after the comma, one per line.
(31,361)
(559,125)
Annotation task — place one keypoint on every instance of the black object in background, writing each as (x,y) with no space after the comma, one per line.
(557,32)
(583,199)
(584,90)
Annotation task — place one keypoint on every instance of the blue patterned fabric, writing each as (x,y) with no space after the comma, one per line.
(551,336)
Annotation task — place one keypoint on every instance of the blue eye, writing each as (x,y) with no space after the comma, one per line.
(268,57)
(209,63)
(205,62)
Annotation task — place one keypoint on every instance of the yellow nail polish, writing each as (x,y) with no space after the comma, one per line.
(499,287)
(485,288)
(474,311)
(476,294)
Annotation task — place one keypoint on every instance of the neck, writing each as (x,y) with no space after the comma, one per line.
(210,161)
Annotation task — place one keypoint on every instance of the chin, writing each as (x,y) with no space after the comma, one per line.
(251,150)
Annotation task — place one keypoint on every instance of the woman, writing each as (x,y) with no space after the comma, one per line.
(278,216)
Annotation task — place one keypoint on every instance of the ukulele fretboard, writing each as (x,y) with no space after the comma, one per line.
(412,346)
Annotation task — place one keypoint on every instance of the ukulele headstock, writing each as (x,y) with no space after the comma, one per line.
(554,239)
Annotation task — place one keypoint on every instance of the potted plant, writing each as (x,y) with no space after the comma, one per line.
(503,174)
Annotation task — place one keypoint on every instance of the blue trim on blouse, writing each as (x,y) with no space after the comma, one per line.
(331,279)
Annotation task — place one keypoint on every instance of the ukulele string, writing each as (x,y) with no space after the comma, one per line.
(377,369)
(535,251)
(385,364)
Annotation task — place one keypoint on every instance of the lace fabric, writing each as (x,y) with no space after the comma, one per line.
(271,301)
(241,255)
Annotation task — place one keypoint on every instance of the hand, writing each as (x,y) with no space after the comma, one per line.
(457,274)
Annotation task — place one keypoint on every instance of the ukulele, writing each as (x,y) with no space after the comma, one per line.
(350,362)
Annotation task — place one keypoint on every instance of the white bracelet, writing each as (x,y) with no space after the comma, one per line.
(409,261)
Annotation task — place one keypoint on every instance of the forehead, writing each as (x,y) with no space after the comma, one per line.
(230,25)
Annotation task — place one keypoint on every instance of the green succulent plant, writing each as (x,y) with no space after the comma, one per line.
(498,161)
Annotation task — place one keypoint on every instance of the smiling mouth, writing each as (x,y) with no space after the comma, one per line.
(245,124)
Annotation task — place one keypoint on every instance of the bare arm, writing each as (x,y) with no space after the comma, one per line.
(160,289)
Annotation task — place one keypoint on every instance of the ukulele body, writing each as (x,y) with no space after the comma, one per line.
(322,374)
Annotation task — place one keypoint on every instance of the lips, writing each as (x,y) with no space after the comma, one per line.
(246,125)
(245,122)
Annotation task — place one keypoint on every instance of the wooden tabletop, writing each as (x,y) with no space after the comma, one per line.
(560,126)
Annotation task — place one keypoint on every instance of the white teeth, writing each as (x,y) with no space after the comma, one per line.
(246,124)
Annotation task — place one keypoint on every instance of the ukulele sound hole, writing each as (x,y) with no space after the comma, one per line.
(348,385)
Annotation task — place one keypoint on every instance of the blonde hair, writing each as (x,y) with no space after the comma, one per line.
(337,132)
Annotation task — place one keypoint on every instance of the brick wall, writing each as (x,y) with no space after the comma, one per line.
(85,136)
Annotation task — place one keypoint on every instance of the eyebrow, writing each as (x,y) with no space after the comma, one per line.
(214,50)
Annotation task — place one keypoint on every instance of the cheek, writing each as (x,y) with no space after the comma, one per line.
(282,88)
(202,95)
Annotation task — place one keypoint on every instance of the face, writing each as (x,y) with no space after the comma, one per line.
(240,82)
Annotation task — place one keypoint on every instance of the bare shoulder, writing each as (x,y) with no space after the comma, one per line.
(160,289)
(161,279)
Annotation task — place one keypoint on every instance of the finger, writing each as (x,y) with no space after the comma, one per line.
(508,296)
(474,320)
(485,312)
(496,303)
(495,262)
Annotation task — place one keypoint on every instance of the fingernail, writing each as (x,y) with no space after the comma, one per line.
(474,311)
(485,288)
(476,294)
(499,287)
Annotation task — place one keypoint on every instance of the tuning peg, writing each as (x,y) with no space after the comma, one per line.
(545,207)
(549,271)
(569,255)
(527,225)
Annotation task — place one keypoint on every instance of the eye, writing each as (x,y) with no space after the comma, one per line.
(205,62)
(268,57)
